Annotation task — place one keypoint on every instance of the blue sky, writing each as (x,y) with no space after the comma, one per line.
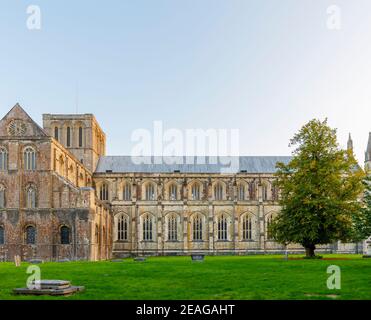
(265,67)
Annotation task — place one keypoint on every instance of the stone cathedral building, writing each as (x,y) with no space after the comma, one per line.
(62,198)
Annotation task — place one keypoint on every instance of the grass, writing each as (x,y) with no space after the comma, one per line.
(221,277)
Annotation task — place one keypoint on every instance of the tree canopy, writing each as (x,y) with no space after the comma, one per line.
(319,188)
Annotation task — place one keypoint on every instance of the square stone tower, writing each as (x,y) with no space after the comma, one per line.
(80,134)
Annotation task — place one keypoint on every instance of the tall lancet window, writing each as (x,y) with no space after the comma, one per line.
(3,159)
(173,190)
(2,196)
(80,137)
(31,197)
(127,192)
(197,228)
(222,228)
(172,228)
(122,227)
(147,228)
(246,228)
(29,157)
(68,137)
(56,133)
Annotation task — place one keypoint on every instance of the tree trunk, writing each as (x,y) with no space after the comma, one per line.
(309,251)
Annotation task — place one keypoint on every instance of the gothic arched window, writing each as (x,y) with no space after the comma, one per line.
(222,228)
(65,235)
(147,228)
(30,235)
(122,227)
(246,227)
(172,228)
(195,192)
(241,191)
(218,192)
(197,228)
(31,197)
(3,159)
(173,192)
(2,196)
(103,193)
(150,191)
(268,224)
(29,157)
(252,191)
(126,192)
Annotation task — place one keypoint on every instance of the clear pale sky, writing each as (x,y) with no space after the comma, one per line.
(265,66)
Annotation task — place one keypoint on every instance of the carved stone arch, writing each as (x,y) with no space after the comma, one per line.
(191,189)
(219,189)
(172,190)
(146,189)
(125,189)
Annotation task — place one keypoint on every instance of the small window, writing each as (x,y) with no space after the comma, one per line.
(147,228)
(222,228)
(68,136)
(197,228)
(252,191)
(172,228)
(31,197)
(218,192)
(246,228)
(122,228)
(196,192)
(103,194)
(150,191)
(80,136)
(269,223)
(173,190)
(65,235)
(30,235)
(3,159)
(56,133)
(127,192)
(241,192)
(29,156)
(2,236)
(2,196)
(264,192)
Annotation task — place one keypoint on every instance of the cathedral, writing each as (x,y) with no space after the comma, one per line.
(62,198)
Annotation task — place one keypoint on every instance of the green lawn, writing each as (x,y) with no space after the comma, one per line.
(223,277)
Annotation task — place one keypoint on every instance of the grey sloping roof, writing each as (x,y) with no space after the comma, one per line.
(128,164)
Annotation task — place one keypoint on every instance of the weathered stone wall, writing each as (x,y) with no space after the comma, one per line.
(258,204)
(64,197)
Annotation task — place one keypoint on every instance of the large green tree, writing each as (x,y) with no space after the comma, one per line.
(319,188)
(363,220)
